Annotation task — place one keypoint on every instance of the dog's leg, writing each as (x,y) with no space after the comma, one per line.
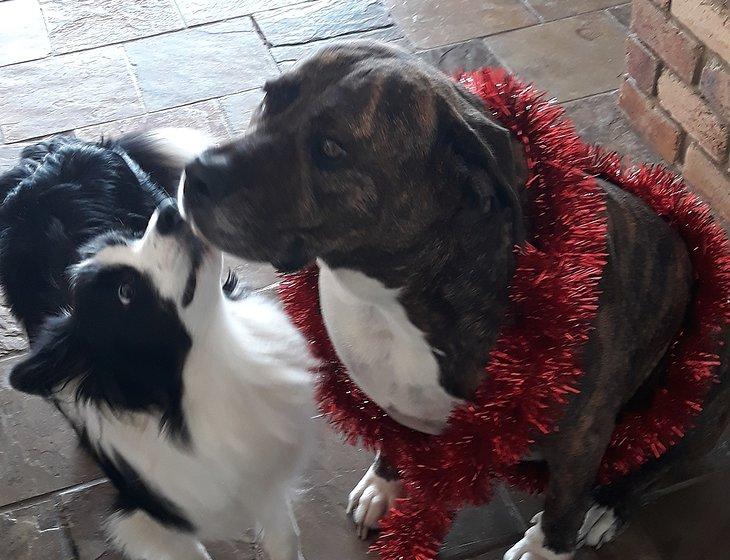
(573,455)
(141,537)
(374,495)
(281,534)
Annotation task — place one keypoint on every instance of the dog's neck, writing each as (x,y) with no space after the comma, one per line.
(453,285)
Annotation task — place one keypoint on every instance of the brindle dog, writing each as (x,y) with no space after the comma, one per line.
(410,197)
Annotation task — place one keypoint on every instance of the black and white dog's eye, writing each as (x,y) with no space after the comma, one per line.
(332,149)
(126,293)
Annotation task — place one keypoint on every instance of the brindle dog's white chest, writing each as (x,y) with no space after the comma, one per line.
(386,355)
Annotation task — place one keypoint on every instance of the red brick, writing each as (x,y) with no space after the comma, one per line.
(660,131)
(715,86)
(679,50)
(708,180)
(642,65)
(709,20)
(686,106)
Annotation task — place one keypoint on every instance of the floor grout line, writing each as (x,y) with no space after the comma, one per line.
(39,498)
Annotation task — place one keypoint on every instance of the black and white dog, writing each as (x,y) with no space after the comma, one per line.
(195,403)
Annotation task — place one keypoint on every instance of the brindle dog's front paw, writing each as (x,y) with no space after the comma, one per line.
(532,546)
(371,499)
(601,525)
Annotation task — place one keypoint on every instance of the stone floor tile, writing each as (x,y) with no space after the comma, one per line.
(286,65)
(579,56)
(23,34)
(622,14)
(598,120)
(205,115)
(633,543)
(82,24)
(527,505)
(84,511)
(200,63)
(327,533)
(479,530)
(322,19)
(9,156)
(496,554)
(692,523)
(433,23)
(39,452)
(12,336)
(233,550)
(466,56)
(34,533)
(392,34)
(60,93)
(206,11)
(558,9)
(239,107)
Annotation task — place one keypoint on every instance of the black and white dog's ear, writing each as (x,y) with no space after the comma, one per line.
(53,360)
(486,150)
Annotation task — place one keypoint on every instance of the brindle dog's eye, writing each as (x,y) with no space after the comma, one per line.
(332,150)
(125,293)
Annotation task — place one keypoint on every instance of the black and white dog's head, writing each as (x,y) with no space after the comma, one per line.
(65,191)
(136,304)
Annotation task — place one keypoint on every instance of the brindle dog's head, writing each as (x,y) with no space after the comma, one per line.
(362,147)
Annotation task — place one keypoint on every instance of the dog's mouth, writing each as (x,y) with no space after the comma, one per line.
(296,258)
(171,223)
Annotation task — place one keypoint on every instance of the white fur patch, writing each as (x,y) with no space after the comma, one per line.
(532,546)
(371,499)
(386,355)
(599,527)
(181,145)
(140,537)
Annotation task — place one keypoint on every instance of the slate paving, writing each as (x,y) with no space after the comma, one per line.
(106,67)
(81,24)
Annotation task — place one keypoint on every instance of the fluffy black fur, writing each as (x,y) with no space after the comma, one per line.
(62,193)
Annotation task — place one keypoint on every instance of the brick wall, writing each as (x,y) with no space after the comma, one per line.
(677,91)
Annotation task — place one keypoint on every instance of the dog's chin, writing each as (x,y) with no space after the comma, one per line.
(290,266)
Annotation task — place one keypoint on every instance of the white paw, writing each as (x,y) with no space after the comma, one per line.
(532,546)
(599,527)
(371,499)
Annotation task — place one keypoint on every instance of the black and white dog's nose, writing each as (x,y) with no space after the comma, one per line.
(169,219)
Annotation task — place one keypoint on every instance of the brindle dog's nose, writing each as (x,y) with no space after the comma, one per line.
(206,177)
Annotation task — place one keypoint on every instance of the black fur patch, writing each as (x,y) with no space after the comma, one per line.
(62,194)
(133,492)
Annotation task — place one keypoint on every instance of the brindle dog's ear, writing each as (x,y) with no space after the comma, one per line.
(51,362)
(486,151)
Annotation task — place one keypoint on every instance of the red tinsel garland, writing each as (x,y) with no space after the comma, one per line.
(534,366)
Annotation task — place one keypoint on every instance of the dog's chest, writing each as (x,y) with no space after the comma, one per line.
(386,355)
